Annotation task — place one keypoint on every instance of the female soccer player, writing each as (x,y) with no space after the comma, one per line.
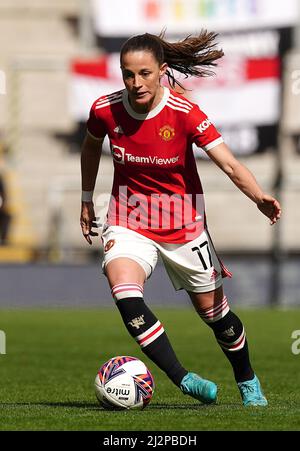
(157,207)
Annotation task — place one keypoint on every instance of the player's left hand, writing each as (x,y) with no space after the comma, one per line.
(270,207)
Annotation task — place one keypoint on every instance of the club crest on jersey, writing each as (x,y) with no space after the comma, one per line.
(167,133)
(109,245)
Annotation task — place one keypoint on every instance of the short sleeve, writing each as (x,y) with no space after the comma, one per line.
(202,132)
(95,124)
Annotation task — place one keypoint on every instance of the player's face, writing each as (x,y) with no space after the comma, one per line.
(141,75)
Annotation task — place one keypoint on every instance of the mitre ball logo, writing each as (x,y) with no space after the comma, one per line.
(167,133)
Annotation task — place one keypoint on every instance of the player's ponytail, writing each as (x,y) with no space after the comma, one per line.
(192,56)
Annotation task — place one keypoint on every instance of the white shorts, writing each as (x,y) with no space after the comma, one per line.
(192,266)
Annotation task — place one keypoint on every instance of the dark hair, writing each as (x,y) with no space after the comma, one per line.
(192,56)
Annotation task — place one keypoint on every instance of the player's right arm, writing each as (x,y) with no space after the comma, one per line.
(90,159)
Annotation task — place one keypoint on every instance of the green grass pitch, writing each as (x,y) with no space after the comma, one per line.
(52,357)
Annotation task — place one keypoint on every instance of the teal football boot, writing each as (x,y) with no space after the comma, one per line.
(201,389)
(251,393)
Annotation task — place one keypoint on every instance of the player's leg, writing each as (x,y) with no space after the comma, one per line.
(230,334)
(213,308)
(126,278)
(129,259)
(195,267)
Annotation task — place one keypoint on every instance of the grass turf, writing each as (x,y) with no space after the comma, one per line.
(52,358)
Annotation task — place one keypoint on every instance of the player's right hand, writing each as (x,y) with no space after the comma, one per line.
(87,220)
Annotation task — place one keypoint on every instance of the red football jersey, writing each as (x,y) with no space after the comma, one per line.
(156,189)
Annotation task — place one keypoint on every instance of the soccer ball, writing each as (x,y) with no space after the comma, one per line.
(124,382)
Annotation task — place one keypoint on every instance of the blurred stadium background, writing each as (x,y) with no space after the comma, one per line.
(57,56)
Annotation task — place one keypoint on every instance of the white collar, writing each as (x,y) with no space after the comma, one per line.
(150,114)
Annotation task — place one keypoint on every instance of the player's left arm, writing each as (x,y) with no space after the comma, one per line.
(243,178)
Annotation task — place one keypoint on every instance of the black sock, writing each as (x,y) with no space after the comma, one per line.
(145,328)
(229,332)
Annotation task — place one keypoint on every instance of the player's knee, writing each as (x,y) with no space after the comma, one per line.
(122,270)
(217,311)
(207,302)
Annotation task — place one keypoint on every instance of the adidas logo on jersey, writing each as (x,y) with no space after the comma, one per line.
(118,129)
(204,125)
